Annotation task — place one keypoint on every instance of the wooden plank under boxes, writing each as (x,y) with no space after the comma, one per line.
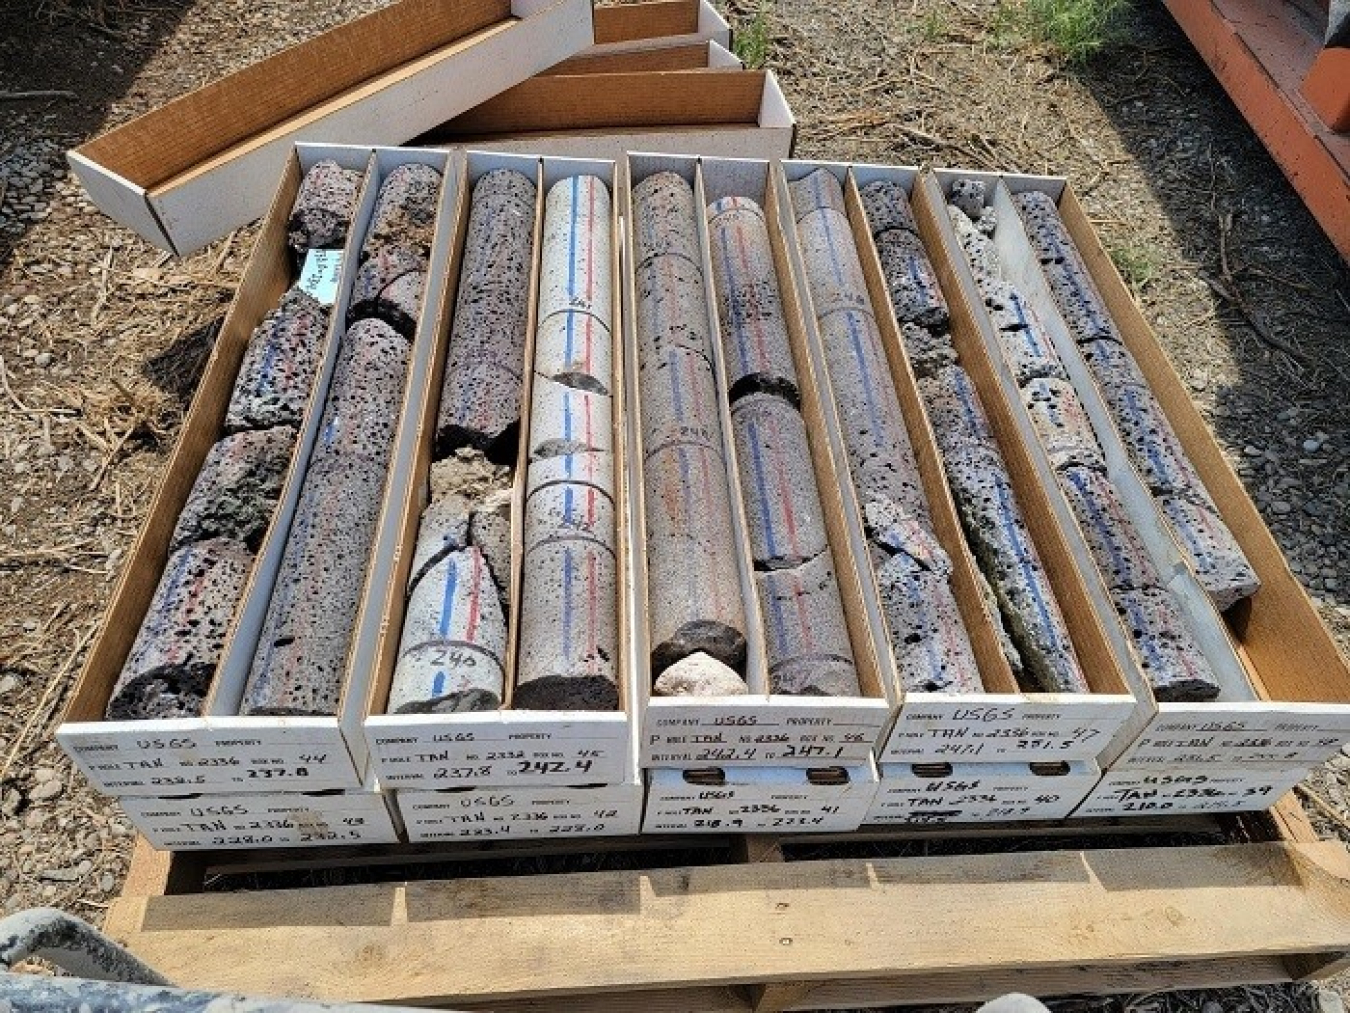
(189,172)
(508,745)
(761,728)
(1006,723)
(1284,689)
(220,750)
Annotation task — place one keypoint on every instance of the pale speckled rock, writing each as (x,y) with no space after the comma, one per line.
(388,287)
(967,195)
(301,659)
(323,208)
(665,220)
(887,207)
(1167,652)
(174,657)
(366,396)
(566,510)
(805,634)
(276,376)
(1062,425)
(834,274)
(453,640)
(816,191)
(564,420)
(576,270)
(677,396)
(405,211)
(237,489)
(490,532)
(699,675)
(782,505)
(987,223)
(1211,550)
(575,349)
(1027,347)
(955,412)
(932,651)
(568,656)
(595,469)
(755,340)
(888,525)
(693,585)
(979,248)
(672,308)
(480,408)
(915,294)
(1108,531)
(927,351)
(998,537)
(443,529)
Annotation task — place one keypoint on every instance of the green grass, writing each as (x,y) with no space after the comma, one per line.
(1137,264)
(1075,29)
(934,26)
(751,43)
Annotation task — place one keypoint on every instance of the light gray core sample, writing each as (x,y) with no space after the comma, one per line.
(490,531)
(693,587)
(1115,545)
(443,529)
(1027,348)
(277,374)
(1168,655)
(932,652)
(301,658)
(672,308)
(1062,425)
(915,294)
(665,220)
(576,267)
(388,287)
(889,526)
(699,675)
(880,456)
(596,469)
(453,647)
(568,628)
(955,411)
(366,396)
(834,274)
(927,351)
(754,331)
(782,505)
(678,401)
(323,208)
(998,536)
(806,636)
(237,489)
(485,360)
(405,211)
(564,420)
(174,657)
(887,207)
(1211,550)
(568,510)
(818,190)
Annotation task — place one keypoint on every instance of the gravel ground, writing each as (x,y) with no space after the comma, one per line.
(102,336)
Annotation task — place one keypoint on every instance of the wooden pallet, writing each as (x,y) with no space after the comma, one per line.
(759,931)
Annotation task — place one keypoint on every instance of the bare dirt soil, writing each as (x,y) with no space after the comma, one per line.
(102,336)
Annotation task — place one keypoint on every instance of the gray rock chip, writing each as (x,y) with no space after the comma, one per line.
(388,287)
(1168,655)
(174,657)
(1062,424)
(699,675)
(888,525)
(1108,531)
(237,489)
(816,191)
(782,505)
(301,660)
(1211,550)
(915,294)
(806,636)
(323,209)
(405,211)
(932,651)
(887,207)
(968,196)
(665,220)
(365,399)
(276,376)
(979,248)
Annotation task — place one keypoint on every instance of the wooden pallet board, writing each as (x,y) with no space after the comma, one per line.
(764,934)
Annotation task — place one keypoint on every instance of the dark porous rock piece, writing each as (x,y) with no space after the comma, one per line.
(237,489)
(928,350)
(569,646)
(323,209)
(782,505)
(805,633)
(405,211)
(665,220)
(967,195)
(302,653)
(366,395)
(928,637)
(1167,652)
(915,293)
(480,409)
(1210,549)
(277,374)
(174,657)
(887,207)
(1108,531)
(388,287)
(816,191)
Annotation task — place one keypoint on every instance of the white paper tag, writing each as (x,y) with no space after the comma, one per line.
(320,276)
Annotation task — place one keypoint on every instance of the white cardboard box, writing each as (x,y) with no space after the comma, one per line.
(761,728)
(759,799)
(505,746)
(222,751)
(662,22)
(1201,789)
(295,820)
(204,164)
(937,793)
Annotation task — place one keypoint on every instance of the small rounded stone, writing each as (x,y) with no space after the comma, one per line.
(699,675)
